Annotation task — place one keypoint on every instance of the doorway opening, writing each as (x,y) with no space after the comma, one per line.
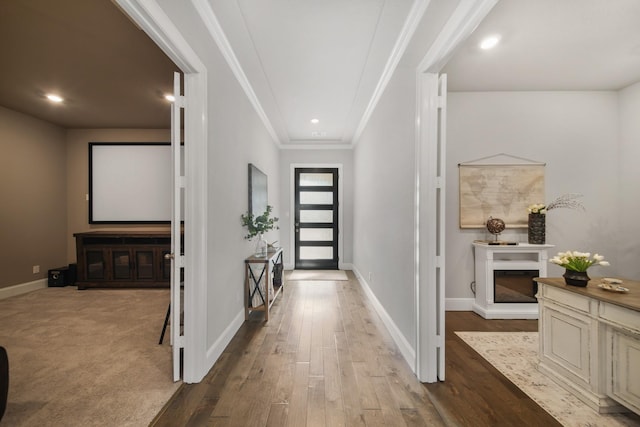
(316,218)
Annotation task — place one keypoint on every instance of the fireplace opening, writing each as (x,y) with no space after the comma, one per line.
(515,286)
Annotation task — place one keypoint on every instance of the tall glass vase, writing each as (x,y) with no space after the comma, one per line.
(261,246)
(536,228)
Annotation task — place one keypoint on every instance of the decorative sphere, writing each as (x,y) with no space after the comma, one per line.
(495,225)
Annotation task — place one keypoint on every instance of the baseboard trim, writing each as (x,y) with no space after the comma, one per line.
(459,304)
(407,351)
(215,351)
(23,288)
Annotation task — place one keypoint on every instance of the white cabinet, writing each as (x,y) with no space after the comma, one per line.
(590,344)
(493,260)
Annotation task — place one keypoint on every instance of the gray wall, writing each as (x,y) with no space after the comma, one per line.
(384,168)
(576,134)
(315,157)
(236,137)
(628,260)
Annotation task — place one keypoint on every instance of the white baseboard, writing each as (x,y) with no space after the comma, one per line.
(345,266)
(214,352)
(407,351)
(23,288)
(459,304)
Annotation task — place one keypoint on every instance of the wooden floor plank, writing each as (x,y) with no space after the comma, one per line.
(325,358)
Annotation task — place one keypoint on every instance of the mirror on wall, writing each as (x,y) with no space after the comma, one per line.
(257,191)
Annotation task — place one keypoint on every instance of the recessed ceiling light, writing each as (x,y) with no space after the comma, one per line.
(489,42)
(170,97)
(54,98)
(315,121)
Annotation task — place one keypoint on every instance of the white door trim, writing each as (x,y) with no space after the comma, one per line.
(153,20)
(429,263)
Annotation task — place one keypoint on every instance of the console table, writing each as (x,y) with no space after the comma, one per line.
(263,282)
(590,342)
(493,260)
(116,259)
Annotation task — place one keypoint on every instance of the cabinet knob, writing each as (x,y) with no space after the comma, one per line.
(169,256)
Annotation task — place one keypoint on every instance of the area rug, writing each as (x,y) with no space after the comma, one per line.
(515,355)
(86,358)
(318,275)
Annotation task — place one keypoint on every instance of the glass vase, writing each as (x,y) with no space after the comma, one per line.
(261,247)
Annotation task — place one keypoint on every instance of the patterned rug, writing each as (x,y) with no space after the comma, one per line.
(515,355)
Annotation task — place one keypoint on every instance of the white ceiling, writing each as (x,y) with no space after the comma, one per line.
(306,58)
(310,59)
(552,45)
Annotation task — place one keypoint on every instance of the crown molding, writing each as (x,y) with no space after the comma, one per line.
(215,30)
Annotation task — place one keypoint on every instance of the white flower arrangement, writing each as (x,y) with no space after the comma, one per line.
(538,208)
(568,200)
(578,261)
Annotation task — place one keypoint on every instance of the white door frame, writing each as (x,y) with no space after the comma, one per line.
(151,18)
(292,207)
(429,281)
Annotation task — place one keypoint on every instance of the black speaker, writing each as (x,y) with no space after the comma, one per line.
(58,276)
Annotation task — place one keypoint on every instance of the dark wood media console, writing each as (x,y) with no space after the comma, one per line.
(116,259)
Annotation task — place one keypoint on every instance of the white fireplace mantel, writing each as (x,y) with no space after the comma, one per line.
(523,256)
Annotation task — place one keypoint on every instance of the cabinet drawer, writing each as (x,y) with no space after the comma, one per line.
(575,301)
(620,315)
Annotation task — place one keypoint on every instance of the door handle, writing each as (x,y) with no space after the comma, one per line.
(169,256)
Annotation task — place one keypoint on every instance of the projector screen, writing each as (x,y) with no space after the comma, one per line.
(130,183)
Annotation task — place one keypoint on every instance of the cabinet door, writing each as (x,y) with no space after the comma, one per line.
(165,265)
(624,361)
(566,342)
(144,264)
(121,262)
(95,260)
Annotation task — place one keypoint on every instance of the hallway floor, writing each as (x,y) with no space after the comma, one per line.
(323,359)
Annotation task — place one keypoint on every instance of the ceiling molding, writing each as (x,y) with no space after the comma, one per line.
(460,25)
(215,30)
(410,25)
(150,17)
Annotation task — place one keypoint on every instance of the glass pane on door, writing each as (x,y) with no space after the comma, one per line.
(316,197)
(316,216)
(316,252)
(316,234)
(144,263)
(121,265)
(316,179)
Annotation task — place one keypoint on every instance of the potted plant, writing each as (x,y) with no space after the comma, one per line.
(257,226)
(576,265)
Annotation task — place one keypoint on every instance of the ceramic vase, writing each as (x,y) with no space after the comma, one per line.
(576,278)
(536,228)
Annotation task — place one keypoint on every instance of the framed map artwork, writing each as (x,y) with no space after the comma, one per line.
(500,191)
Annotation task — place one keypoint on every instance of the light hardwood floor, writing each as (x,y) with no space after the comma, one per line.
(325,359)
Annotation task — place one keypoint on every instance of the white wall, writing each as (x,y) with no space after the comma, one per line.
(384,202)
(236,137)
(629,177)
(316,157)
(574,133)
